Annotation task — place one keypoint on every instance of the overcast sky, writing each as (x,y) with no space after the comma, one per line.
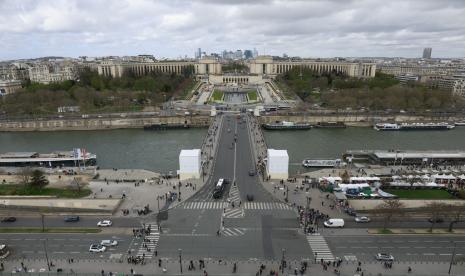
(173,28)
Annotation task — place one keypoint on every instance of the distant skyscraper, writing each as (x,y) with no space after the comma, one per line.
(427,53)
(255,53)
(238,54)
(198,54)
(248,54)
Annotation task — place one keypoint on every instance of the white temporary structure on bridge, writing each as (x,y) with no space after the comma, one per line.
(189,164)
(278,164)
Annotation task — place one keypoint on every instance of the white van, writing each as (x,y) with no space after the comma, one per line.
(334,223)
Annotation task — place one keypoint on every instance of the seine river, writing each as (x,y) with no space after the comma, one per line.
(159,150)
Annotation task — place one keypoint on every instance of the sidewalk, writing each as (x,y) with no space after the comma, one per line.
(154,193)
(225,267)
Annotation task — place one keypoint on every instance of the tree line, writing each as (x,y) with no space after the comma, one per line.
(335,90)
(96,93)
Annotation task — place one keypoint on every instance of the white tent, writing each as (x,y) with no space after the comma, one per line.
(330,179)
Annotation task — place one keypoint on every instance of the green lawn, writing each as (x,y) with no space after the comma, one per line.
(252,94)
(217,96)
(421,194)
(22,190)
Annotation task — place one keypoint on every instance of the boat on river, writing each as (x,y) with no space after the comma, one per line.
(74,158)
(284,125)
(323,163)
(413,126)
(330,125)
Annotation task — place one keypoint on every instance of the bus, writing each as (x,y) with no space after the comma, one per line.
(4,251)
(219,188)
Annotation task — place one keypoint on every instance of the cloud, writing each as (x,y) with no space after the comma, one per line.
(172,28)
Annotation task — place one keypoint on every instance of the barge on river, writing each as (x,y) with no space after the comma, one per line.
(283,125)
(163,126)
(413,126)
(323,163)
(72,158)
(405,157)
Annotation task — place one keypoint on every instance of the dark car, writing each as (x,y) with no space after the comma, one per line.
(249,197)
(9,219)
(252,172)
(71,218)
(436,220)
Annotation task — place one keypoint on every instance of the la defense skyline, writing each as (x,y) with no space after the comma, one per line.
(423,53)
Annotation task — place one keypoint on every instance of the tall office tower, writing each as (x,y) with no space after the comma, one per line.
(198,54)
(427,53)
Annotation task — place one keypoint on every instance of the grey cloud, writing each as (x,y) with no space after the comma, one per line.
(31,28)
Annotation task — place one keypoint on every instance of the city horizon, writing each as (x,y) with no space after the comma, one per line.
(72,28)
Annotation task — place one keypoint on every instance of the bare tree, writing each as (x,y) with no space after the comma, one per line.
(388,209)
(437,211)
(456,213)
(77,183)
(24,175)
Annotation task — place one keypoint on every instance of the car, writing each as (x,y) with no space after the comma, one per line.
(362,219)
(249,197)
(351,212)
(109,242)
(334,223)
(436,220)
(251,172)
(97,248)
(9,219)
(71,218)
(104,223)
(384,257)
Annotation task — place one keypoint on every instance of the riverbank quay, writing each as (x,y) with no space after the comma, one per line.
(174,266)
(136,120)
(97,123)
(359,119)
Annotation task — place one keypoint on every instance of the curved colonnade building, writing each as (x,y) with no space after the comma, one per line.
(210,68)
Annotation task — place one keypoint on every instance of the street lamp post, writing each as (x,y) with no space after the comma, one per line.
(452,258)
(46,255)
(282,260)
(180,259)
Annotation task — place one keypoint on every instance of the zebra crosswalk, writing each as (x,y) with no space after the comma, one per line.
(223,205)
(266,206)
(234,213)
(204,205)
(147,249)
(234,195)
(320,247)
(233,231)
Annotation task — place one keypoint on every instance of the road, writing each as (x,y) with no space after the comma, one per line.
(260,229)
(402,247)
(63,246)
(58,221)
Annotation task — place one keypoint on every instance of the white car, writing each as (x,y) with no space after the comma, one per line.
(384,257)
(362,219)
(109,242)
(104,223)
(97,248)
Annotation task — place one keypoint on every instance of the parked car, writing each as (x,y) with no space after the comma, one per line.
(97,248)
(384,257)
(9,219)
(436,220)
(104,223)
(362,219)
(71,218)
(109,242)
